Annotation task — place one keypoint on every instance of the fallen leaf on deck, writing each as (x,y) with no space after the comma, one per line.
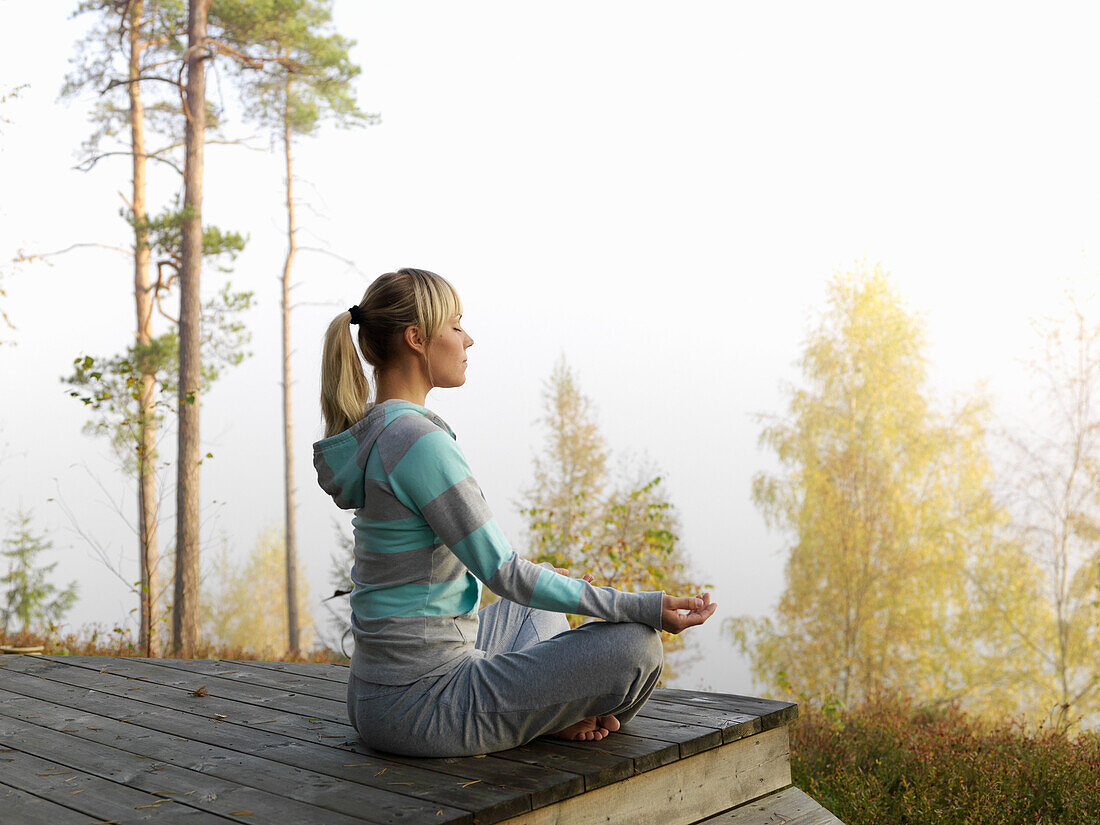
(352,765)
(79,791)
(382,771)
(400,783)
(200,692)
(150,805)
(240,813)
(468,784)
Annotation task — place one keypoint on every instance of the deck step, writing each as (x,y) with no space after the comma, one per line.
(789,806)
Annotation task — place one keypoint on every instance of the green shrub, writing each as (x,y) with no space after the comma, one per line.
(891,761)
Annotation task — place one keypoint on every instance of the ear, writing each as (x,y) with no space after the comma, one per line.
(414,337)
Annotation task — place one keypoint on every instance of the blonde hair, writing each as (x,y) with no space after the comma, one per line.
(392,303)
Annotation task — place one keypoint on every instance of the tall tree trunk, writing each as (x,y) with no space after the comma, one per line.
(293,635)
(143,302)
(185,613)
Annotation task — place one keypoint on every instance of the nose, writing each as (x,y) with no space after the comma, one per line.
(469,341)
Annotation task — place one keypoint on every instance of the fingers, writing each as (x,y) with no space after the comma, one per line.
(699,609)
(683,603)
(588,578)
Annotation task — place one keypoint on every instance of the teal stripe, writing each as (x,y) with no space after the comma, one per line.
(392,536)
(484,550)
(431,466)
(374,469)
(556,592)
(347,476)
(410,600)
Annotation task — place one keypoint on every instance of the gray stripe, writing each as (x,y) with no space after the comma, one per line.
(388,650)
(515,580)
(381,504)
(457,511)
(617,606)
(401,434)
(446,566)
(325,477)
(433,564)
(392,569)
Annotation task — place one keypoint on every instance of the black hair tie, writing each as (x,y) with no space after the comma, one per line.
(356,314)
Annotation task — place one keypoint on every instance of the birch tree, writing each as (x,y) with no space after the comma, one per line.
(1054,480)
(888,508)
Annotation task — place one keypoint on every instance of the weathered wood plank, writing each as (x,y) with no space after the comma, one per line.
(207,788)
(733,726)
(100,798)
(318,670)
(543,785)
(646,753)
(259,695)
(772,712)
(690,738)
(21,807)
(278,728)
(269,760)
(288,723)
(683,792)
(787,807)
(298,684)
(287,738)
(598,768)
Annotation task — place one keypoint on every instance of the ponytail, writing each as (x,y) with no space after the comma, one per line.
(344,389)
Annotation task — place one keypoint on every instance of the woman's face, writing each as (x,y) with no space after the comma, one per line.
(447,354)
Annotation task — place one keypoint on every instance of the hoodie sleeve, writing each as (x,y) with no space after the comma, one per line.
(433,478)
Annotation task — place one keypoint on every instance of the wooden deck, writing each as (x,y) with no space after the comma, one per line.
(120,740)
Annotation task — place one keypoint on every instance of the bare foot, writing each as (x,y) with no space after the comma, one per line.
(592,729)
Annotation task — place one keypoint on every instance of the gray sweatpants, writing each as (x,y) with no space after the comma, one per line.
(537,677)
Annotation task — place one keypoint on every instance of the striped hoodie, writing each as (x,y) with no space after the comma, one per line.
(425,542)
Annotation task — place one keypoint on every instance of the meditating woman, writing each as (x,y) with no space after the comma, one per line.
(430,675)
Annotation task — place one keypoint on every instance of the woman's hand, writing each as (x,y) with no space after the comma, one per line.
(561,571)
(699,609)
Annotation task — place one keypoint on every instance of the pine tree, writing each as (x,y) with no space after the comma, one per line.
(30,599)
(304,76)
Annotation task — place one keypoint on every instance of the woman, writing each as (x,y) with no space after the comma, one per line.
(430,676)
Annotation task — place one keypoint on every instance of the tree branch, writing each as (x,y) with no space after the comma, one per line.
(23,257)
(127,81)
(86,165)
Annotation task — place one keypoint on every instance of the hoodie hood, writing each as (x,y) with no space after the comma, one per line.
(341,460)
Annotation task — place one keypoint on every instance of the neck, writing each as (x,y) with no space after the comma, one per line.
(402,385)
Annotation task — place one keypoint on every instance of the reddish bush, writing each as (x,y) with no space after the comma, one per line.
(891,761)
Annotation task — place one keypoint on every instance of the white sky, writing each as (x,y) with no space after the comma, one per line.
(659,191)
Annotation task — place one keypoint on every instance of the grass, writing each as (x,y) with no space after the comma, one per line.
(94,641)
(892,761)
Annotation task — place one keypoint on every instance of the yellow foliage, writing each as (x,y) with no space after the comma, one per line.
(578,518)
(246,604)
(897,576)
